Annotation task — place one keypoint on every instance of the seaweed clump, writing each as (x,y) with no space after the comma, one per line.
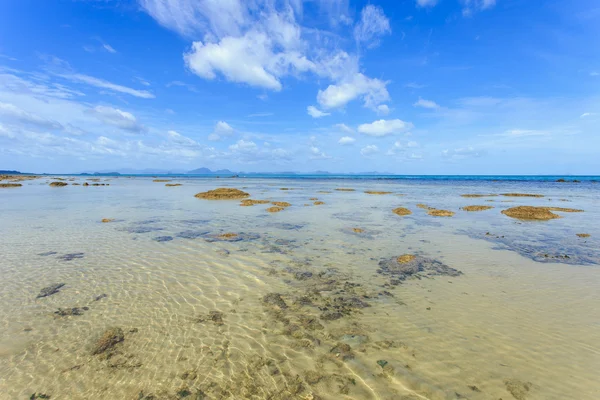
(531,213)
(223,194)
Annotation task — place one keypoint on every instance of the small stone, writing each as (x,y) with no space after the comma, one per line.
(382,363)
(50,290)
(108,340)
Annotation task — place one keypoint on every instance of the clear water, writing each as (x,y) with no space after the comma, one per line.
(521,322)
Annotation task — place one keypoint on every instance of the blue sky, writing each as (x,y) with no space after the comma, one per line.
(409,87)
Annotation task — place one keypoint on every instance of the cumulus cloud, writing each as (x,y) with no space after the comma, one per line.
(369,150)
(346,140)
(461,153)
(373,24)
(426,104)
(115,117)
(247,151)
(260,42)
(401,148)
(222,130)
(12,112)
(317,154)
(384,127)
(372,91)
(315,112)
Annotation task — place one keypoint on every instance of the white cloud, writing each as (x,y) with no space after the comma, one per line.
(10,111)
(222,130)
(372,91)
(115,117)
(461,153)
(346,140)
(426,104)
(426,3)
(90,80)
(522,133)
(247,151)
(400,148)
(317,154)
(315,112)
(414,85)
(472,6)
(369,150)
(594,73)
(373,23)
(383,110)
(177,138)
(384,127)
(587,114)
(344,128)
(188,86)
(109,48)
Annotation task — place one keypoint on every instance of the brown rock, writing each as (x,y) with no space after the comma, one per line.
(172,184)
(401,211)
(10,185)
(58,184)
(318,203)
(228,236)
(223,194)
(584,235)
(358,230)
(275,209)
(161,180)
(478,195)
(376,192)
(521,195)
(108,219)
(344,190)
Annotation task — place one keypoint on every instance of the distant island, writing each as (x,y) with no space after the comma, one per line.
(206,171)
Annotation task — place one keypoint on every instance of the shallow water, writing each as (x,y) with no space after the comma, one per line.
(522,321)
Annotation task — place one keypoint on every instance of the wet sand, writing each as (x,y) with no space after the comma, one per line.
(179,297)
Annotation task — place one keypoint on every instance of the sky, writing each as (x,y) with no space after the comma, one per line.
(406,87)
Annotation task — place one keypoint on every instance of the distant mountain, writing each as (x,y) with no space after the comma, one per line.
(7,172)
(206,171)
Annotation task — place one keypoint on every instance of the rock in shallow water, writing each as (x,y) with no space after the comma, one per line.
(50,290)
(408,265)
(108,340)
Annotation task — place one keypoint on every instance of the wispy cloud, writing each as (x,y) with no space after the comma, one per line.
(101,83)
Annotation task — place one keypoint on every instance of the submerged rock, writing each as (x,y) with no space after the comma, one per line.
(110,338)
(215,316)
(517,389)
(408,265)
(70,256)
(275,209)
(107,220)
(376,192)
(531,213)
(478,195)
(10,185)
(192,234)
(37,396)
(161,239)
(48,253)
(440,213)
(476,208)
(69,312)
(58,184)
(344,190)
(343,351)
(161,180)
(173,184)
(275,299)
(223,194)
(232,237)
(50,290)
(318,203)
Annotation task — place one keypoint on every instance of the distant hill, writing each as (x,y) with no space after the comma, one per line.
(206,171)
(7,172)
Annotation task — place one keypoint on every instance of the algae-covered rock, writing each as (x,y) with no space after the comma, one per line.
(319,203)
(478,195)
(50,290)
(250,202)
(440,213)
(521,195)
(376,192)
(110,338)
(344,190)
(275,209)
(161,180)
(105,220)
(10,185)
(401,211)
(407,266)
(518,389)
(476,208)
(343,351)
(283,204)
(583,235)
(223,194)
(58,184)
(172,184)
(531,213)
